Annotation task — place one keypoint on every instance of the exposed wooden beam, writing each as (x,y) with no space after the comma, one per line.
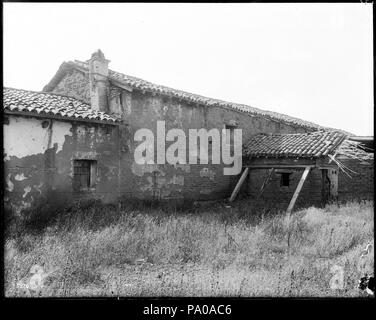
(361,138)
(297,191)
(239,184)
(327,167)
(121,85)
(266,166)
(270,161)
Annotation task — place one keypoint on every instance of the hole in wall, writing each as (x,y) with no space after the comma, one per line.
(45,124)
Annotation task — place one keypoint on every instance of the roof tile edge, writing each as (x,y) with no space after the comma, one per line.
(37,112)
(210,102)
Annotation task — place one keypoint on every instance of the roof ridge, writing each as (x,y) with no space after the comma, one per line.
(141,84)
(249,109)
(320,131)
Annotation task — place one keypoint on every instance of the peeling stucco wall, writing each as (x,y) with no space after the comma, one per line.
(29,136)
(200,181)
(39,153)
(143,110)
(39,156)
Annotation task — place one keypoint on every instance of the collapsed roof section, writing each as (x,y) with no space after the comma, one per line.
(288,148)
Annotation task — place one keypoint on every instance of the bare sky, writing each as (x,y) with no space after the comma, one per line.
(311,61)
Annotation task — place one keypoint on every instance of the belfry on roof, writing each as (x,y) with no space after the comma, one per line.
(98,55)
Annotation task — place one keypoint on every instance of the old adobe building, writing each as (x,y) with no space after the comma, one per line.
(337,168)
(75,140)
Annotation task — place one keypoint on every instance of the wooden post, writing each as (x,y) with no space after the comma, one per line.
(266,181)
(239,184)
(297,191)
(333,177)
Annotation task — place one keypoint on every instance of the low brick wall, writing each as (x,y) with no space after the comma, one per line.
(278,196)
(360,186)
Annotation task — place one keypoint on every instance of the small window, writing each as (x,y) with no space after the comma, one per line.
(84,174)
(230,137)
(285,179)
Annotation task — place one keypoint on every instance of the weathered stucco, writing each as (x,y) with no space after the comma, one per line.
(143,110)
(39,153)
(27,136)
(38,160)
(202,181)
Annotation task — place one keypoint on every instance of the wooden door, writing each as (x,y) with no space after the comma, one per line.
(329,185)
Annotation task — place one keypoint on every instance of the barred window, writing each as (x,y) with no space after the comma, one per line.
(84,174)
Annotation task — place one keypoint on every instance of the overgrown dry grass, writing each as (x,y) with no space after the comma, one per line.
(238,251)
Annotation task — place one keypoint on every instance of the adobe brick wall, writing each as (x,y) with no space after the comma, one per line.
(361,184)
(278,196)
(359,187)
(75,85)
(143,110)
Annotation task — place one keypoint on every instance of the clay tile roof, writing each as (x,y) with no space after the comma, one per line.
(143,85)
(42,103)
(300,145)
